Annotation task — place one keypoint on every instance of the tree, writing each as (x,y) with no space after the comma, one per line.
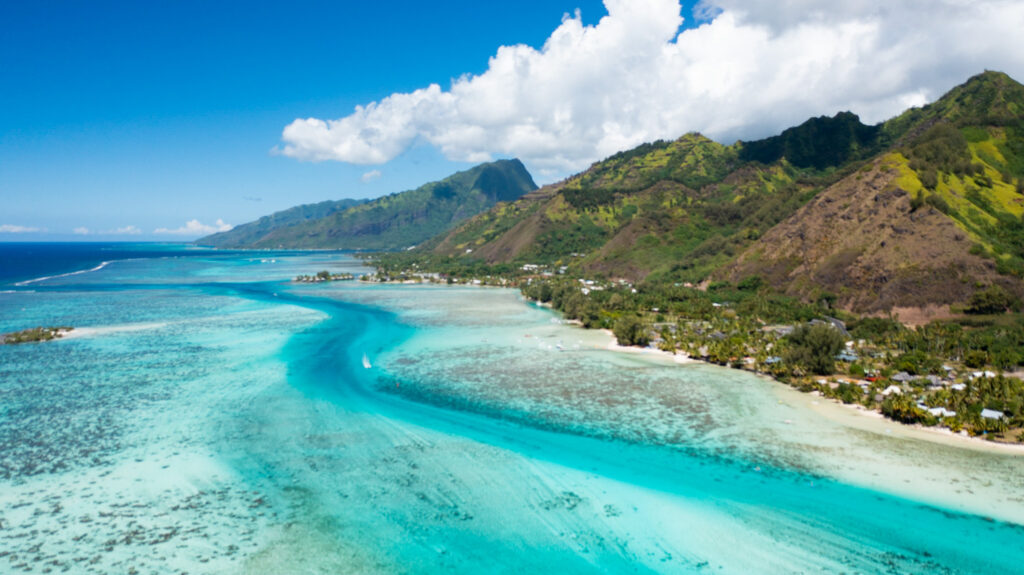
(902,408)
(629,330)
(992,299)
(814,347)
(976,358)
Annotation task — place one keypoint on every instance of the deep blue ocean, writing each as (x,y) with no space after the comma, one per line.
(207,415)
(26,261)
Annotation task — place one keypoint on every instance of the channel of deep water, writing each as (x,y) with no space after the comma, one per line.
(831,518)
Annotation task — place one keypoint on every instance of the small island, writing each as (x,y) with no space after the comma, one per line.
(35,334)
(323,276)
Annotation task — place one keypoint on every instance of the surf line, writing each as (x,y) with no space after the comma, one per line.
(44,278)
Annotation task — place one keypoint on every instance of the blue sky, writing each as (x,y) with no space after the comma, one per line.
(151,114)
(121,119)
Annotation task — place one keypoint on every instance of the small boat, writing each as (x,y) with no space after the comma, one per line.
(366,362)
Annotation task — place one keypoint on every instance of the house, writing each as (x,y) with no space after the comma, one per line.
(941,412)
(780,330)
(992,414)
(835,323)
(902,377)
(847,356)
(958,386)
(891,390)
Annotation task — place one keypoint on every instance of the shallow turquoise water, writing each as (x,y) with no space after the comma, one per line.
(219,419)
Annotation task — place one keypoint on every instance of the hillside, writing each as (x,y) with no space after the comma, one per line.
(927,222)
(248,234)
(402,219)
(672,210)
(922,209)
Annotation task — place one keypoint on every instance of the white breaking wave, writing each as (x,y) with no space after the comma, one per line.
(44,278)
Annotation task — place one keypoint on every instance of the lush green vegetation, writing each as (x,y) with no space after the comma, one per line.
(813,348)
(246,235)
(818,143)
(399,220)
(630,330)
(35,334)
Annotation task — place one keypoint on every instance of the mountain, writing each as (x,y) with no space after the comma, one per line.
(926,222)
(924,209)
(395,221)
(248,234)
(676,210)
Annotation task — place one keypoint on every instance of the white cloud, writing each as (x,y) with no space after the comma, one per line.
(370,176)
(749,70)
(196,228)
(11,229)
(126,230)
(81,231)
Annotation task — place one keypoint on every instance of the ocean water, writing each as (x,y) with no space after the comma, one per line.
(211,417)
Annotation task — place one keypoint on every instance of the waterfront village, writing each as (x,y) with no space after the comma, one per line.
(958,375)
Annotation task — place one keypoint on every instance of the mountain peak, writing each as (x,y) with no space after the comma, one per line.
(987,98)
(394,221)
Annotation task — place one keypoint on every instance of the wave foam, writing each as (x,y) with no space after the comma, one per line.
(44,278)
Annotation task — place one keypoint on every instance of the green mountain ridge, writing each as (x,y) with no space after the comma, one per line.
(247,234)
(925,208)
(395,221)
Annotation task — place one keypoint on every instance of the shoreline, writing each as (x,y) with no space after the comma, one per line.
(855,416)
(851,415)
(859,417)
(613,345)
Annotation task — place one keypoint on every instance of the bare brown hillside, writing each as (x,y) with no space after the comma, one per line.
(861,241)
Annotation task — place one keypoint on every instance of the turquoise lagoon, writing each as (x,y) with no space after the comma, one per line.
(211,417)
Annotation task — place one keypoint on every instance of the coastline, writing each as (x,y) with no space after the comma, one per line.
(858,417)
(850,415)
(613,345)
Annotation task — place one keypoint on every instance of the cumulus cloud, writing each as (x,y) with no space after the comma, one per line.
(81,231)
(195,228)
(750,69)
(370,176)
(12,229)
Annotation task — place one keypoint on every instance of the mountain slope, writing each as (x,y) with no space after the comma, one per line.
(862,242)
(407,218)
(926,223)
(922,209)
(247,234)
(672,209)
